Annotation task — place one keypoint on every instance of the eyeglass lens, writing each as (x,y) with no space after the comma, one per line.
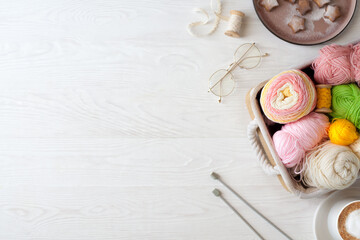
(225,86)
(248,56)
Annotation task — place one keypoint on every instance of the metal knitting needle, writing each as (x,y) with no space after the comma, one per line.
(217,193)
(216,176)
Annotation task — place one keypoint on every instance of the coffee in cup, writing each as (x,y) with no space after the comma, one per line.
(349,221)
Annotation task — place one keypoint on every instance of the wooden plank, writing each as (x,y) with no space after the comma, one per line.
(107,130)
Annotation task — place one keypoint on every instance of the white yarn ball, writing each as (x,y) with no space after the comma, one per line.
(331,166)
(355,146)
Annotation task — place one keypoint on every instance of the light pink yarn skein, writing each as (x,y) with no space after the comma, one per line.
(355,62)
(295,138)
(333,66)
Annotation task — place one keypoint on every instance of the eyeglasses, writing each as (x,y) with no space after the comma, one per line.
(221,82)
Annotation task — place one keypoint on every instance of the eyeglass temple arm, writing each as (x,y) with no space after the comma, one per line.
(241,60)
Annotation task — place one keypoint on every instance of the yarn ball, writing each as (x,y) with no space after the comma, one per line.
(356,147)
(346,103)
(288,96)
(330,166)
(323,104)
(294,139)
(333,65)
(355,61)
(342,132)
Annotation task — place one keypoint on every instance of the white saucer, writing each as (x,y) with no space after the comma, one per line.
(321,228)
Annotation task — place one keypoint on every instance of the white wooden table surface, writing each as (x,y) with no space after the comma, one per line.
(108,131)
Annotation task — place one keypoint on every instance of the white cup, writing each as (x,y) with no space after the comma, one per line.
(334,214)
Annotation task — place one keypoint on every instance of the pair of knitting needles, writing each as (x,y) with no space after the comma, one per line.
(217,193)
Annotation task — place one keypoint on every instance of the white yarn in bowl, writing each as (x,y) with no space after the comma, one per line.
(330,166)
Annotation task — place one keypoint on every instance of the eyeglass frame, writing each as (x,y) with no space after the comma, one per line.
(233,65)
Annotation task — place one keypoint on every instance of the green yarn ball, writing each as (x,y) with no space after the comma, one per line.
(346,103)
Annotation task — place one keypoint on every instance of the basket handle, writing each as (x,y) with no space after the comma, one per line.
(257,146)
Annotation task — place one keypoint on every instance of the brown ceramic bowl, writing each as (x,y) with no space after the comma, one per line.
(317,28)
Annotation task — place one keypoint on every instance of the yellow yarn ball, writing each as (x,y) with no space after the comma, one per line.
(342,132)
(323,97)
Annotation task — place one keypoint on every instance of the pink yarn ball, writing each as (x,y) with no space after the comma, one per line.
(333,65)
(284,109)
(355,62)
(295,138)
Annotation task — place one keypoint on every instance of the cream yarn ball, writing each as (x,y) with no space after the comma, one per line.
(331,166)
(355,146)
